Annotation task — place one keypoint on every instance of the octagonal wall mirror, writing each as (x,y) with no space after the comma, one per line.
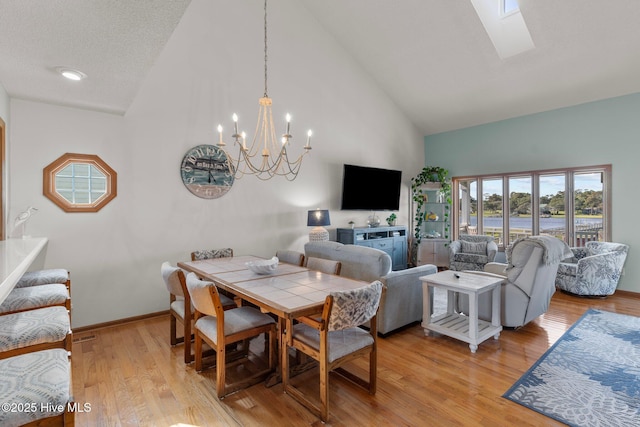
(79,182)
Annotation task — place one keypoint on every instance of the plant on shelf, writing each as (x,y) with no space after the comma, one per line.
(391,219)
(430,174)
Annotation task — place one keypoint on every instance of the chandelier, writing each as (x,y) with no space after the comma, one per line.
(267,155)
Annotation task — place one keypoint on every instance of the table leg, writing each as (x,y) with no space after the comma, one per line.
(495,309)
(473,321)
(426,307)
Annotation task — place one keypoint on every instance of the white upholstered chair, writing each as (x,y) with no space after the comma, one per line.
(180,307)
(333,340)
(219,328)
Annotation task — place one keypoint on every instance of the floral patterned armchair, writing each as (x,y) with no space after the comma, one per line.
(594,270)
(471,252)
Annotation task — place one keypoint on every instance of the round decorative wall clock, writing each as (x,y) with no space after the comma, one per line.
(207,172)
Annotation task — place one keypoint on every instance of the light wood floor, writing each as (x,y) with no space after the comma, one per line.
(131,376)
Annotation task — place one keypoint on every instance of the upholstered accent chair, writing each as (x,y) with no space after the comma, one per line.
(471,252)
(528,280)
(593,270)
(328,266)
(291,257)
(180,307)
(334,340)
(219,328)
(211,253)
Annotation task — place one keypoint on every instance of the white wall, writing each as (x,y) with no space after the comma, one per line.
(596,133)
(211,67)
(4,114)
(4,104)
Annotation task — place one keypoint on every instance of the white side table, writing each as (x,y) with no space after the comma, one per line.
(465,328)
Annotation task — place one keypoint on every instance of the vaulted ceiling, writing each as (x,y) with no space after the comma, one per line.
(432,57)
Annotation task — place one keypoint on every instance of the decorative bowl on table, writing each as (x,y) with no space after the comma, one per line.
(263,266)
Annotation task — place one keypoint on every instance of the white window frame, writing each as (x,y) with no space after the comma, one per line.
(535,175)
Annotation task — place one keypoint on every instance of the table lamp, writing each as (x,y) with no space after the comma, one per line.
(318,219)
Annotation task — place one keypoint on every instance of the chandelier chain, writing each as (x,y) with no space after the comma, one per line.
(265,49)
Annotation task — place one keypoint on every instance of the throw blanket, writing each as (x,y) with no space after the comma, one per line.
(555,250)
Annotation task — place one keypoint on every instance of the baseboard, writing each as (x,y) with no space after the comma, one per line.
(119,322)
(629,294)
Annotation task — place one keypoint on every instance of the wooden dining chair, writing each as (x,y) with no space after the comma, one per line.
(291,257)
(180,307)
(328,266)
(333,340)
(219,328)
(211,253)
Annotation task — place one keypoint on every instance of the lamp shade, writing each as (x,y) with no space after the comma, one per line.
(318,218)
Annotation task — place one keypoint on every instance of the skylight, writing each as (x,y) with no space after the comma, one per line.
(507,7)
(505,26)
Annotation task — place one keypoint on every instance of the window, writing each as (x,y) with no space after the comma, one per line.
(79,183)
(508,7)
(571,204)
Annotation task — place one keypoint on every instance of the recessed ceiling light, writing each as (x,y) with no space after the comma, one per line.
(72,74)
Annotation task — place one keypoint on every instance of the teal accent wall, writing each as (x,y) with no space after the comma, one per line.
(600,132)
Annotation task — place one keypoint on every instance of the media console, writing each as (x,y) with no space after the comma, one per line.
(392,240)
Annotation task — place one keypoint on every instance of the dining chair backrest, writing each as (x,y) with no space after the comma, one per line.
(203,295)
(328,266)
(173,279)
(211,253)
(291,257)
(354,307)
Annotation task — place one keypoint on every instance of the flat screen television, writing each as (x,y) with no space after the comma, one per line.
(371,189)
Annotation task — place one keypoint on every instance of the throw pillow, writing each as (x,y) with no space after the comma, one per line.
(479,248)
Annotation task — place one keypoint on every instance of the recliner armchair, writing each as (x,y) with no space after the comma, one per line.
(471,252)
(529,280)
(594,270)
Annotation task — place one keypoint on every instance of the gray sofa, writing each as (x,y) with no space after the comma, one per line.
(401,302)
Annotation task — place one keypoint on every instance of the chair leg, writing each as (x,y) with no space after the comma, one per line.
(172,330)
(198,350)
(324,392)
(221,352)
(187,340)
(373,371)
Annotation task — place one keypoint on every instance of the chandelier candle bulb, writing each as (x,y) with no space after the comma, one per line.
(235,122)
(288,122)
(309,139)
(220,143)
(244,140)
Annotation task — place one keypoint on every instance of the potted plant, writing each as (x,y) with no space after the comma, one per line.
(391,219)
(434,174)
(352,224)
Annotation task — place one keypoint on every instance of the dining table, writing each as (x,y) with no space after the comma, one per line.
(289,292)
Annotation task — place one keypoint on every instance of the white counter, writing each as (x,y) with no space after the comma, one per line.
(16,257)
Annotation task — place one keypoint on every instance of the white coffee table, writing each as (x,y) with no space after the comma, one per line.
(467,328)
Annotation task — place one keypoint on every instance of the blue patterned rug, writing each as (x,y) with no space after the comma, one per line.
(590,376)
